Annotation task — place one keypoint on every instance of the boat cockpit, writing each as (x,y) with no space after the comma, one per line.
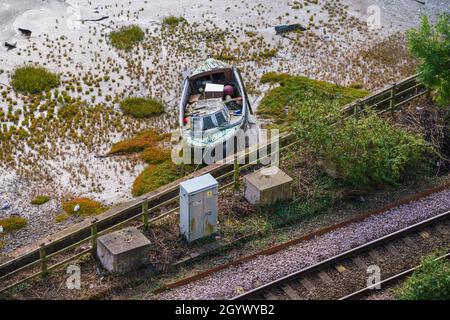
(214,100)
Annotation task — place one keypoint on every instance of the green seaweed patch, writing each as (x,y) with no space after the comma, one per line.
(126,37)
(33,79)
(13,223)
(142,107)
(88,207)
(40,200)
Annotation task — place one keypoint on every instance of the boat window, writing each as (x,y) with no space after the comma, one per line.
(220,118)
(197,124)
(208,123)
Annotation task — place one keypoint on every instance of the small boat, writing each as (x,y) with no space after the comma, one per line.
(214,105)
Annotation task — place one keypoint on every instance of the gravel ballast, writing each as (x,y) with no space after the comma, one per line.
(264,269)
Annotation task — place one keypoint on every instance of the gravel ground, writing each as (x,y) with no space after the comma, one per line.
(246,276)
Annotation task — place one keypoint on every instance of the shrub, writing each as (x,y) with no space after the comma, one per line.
(33,79)
(431,281)
(172,20)
(431,44)
(88,207)
(142,107)
(127,37)
(39,200)
(366,151)
(13,223)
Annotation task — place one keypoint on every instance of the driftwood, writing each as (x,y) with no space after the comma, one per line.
(25,32)
(10,45)
(95,20)
(288,28)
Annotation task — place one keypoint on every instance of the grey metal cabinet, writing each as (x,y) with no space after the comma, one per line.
(198,207)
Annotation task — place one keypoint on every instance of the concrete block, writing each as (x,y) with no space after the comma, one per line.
(123,251)
(267,186)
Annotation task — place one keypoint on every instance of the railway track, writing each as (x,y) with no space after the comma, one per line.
(345,276)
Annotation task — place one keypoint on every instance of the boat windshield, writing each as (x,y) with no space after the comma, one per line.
(211,121)
(208,123)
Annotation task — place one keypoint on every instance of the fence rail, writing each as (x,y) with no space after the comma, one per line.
(385,100)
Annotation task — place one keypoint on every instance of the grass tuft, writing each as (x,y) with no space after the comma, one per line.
(155,155)
(139,143)
(172,20)
(62,217)
(126,37)
(157,175)
(33,80)
(39,200)
(142,107)
(13,223)
(88,207)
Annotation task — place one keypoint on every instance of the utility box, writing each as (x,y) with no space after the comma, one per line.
(267,186)
(198,207)
(123,251)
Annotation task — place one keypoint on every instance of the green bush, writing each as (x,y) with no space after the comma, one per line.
(39,200)
(431,44)
(431,281)
(33,80)
(127,37)
(366,151)
(13,223)
(141,107)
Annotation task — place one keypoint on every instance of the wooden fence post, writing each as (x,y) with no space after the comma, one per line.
(392,100)
(236,174)
(94,234)
(43,259)
(356,107)
(145,215)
